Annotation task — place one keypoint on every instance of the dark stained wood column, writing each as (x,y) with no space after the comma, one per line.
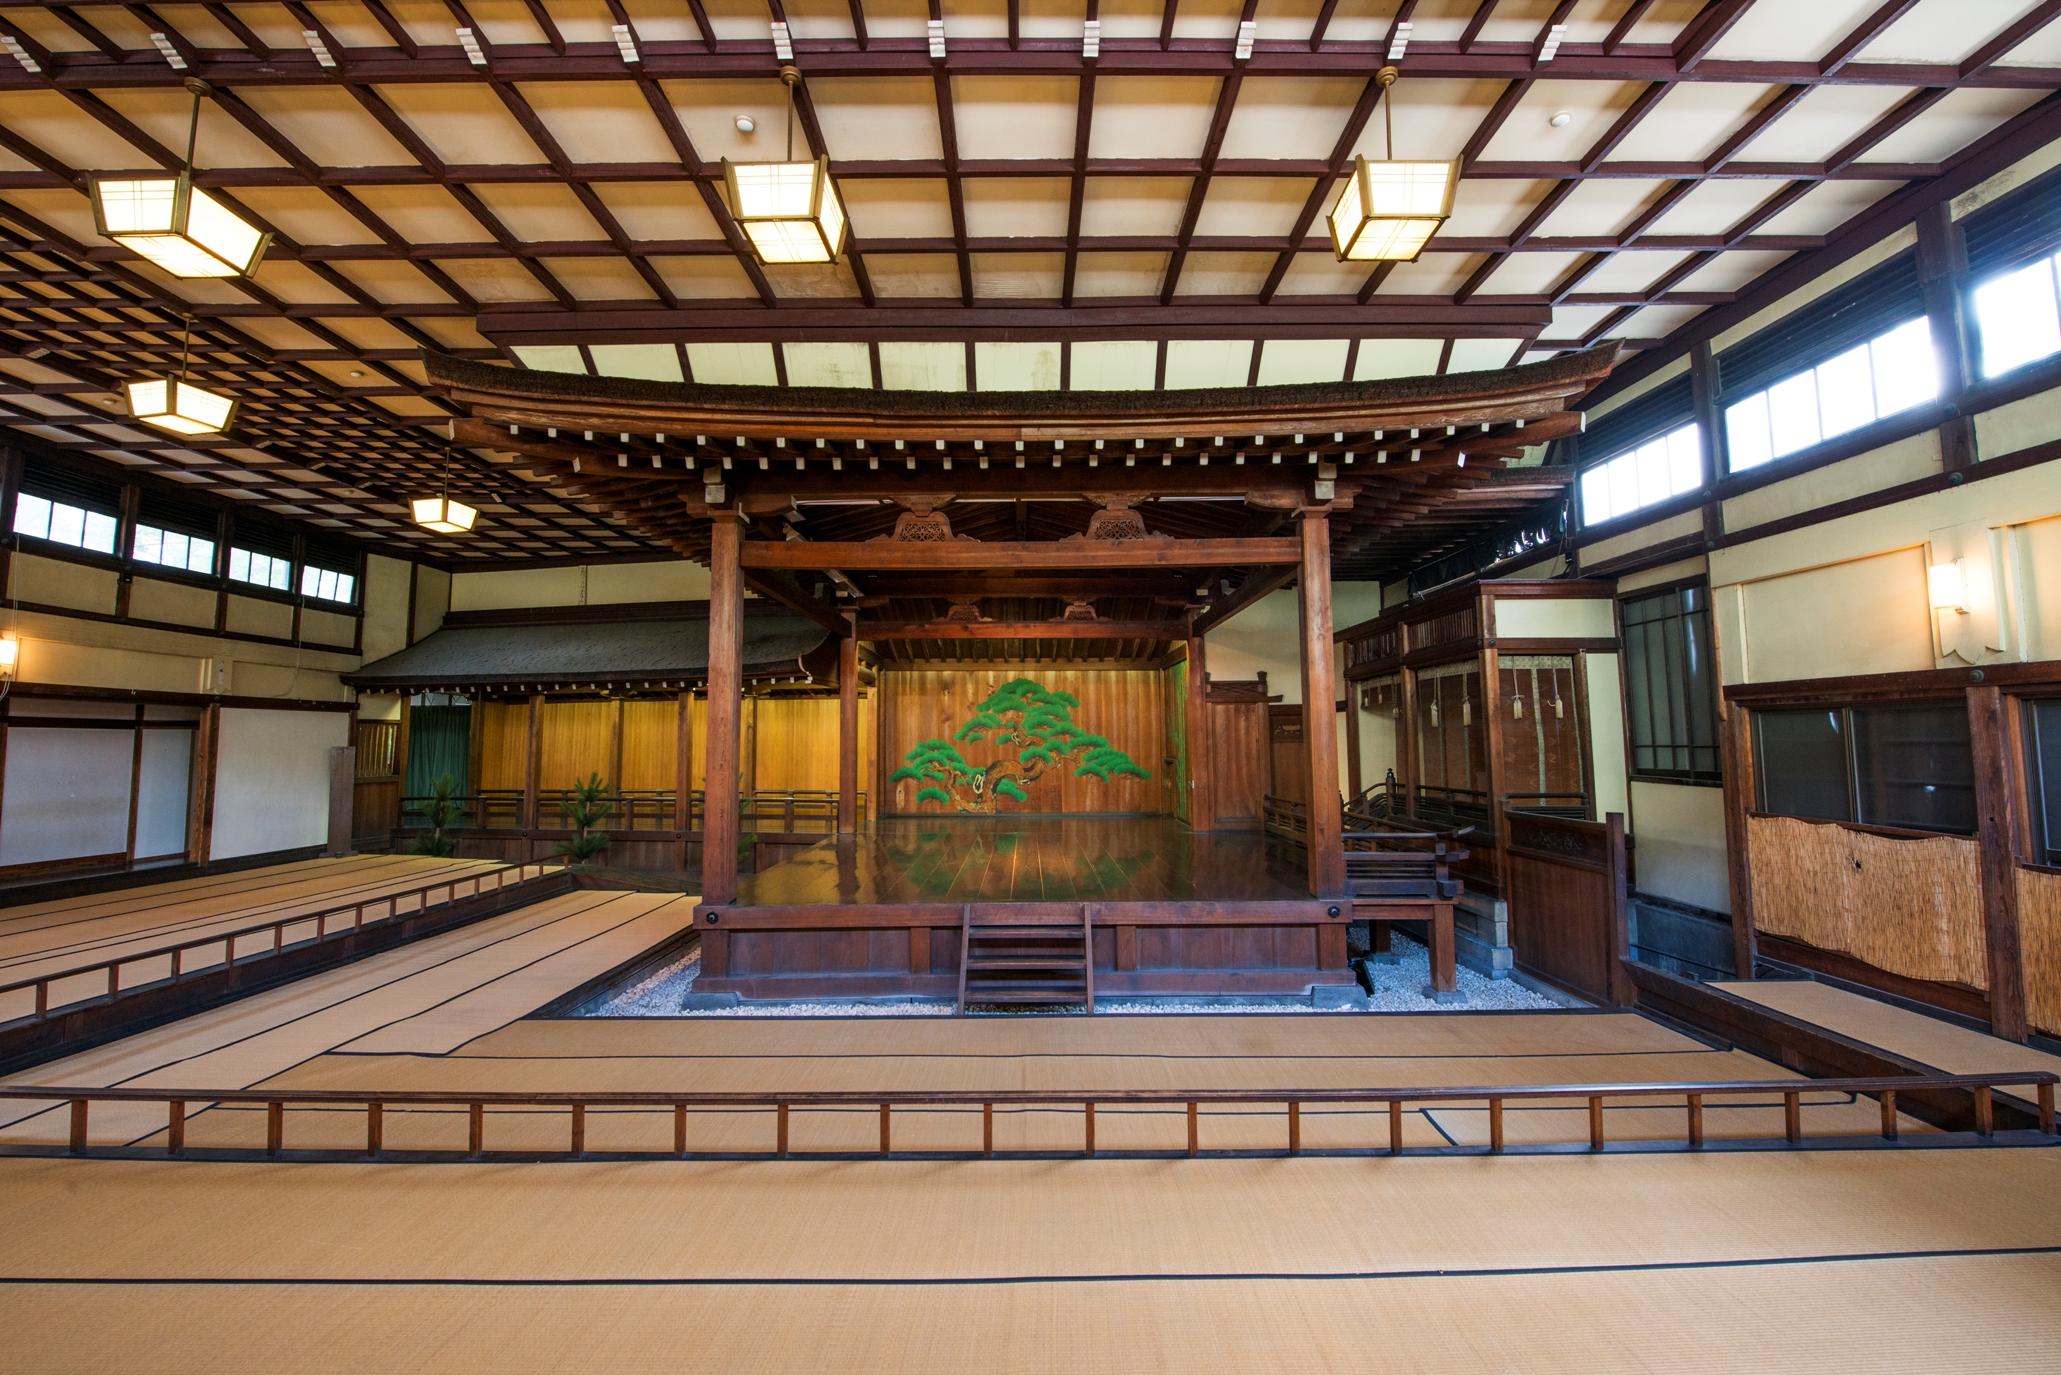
(1996,805)
(848,734)
(1201,795)
(1733,725)
(532,763)
(725,701)
(683,780)
(1320,707)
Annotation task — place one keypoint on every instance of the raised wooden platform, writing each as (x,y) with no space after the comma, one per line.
(1173,910)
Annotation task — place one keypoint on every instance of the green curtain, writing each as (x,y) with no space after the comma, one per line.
(439,742)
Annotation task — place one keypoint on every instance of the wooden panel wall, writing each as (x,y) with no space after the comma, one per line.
(1126,707)
(651,745)
(1912,907)
(797,743)
(1542,746)
(503,743)
(578,739)
(1239,767)
(1567,888)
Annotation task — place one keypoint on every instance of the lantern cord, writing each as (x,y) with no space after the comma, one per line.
(790,76)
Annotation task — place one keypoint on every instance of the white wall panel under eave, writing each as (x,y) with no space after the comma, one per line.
(1606,736)
(272,780)
(67,794)
(1862,616)
(1681,843)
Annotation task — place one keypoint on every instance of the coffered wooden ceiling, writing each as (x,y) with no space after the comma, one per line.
(1024,216)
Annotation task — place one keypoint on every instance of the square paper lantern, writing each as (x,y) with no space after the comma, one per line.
(172,403)
(789,210)
(1389,210)
(183,230)
(443,515)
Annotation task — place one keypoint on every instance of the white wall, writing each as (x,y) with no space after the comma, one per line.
(1680,852)
(587,585)
(272,779)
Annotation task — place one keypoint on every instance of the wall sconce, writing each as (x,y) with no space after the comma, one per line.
(1949,589)
(10,654)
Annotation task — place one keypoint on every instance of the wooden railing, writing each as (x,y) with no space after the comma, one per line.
(270,938)
(1791,1091)
(768,811)
(1285,819)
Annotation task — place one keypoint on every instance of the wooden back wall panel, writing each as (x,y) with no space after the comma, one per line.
(1127,707)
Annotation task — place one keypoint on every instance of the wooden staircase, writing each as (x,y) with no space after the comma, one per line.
(1026,965)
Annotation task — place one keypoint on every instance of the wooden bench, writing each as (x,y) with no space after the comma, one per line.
(1403,876)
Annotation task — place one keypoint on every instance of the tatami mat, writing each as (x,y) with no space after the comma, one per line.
(1912,1035)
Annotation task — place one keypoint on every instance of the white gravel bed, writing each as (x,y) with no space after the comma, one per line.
(1399,987)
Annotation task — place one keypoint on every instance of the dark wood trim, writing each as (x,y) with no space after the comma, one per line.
(205,632)
(725,700)
(200,817)
(532,761)
(1202,814)
(848,736)
(67,691)
(135,786)
(1937,684)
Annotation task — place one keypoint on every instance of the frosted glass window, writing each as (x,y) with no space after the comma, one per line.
(1891,372)
(261,569)
(59,523)
(2016,318)
(170,549)
(1653,472)
(326,585)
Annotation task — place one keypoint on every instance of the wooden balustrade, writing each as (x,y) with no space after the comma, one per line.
(325,924)
(1981,1087)
(634,811)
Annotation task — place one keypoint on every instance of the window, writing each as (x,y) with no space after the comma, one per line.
(1671,684)
(1653,472)
(1890,373)
(1905,766)
(265,570)
(2016,318)
(326,585)
(62,523)
(172,549)
(2043,746)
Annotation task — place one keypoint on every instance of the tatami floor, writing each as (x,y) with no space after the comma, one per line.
(1759,1261)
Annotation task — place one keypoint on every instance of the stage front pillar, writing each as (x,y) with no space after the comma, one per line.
(848,732)
(719,831)
(683,779)
(1320,707)
(532,765)
(1201,798)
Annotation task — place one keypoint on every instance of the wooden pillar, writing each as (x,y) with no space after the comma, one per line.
(1319,707)
(1407,767)
(683,779)
(848,731)
(883,757)
(1355,785)
(719,833)
(1996,805)
(532,762)
(1737,770)
(1201,794)
(200,815)
(615,750)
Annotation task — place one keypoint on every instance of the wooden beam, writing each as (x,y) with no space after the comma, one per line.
(897,556)
(1319,709)
(782,588)
(719,827)
(1121,584)
(1254,587)
(1022,630)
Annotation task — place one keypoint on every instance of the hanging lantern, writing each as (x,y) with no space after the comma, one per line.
(788,210)
(172,223)
(175,404)
(441,514)
(1389,209)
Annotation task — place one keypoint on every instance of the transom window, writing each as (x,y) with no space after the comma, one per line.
(1653,472)
(326,585)
(2017,318)
(171,549)
(261,569)
(1890,373)
(61,523)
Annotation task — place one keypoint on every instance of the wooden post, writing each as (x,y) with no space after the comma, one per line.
(1619,979)
(883,757)
(532,766)
(200,815)
(1319,708)
(1739,792)
(725,698)
(848,730)
(1996,800)
(1354,783)
(1406,766)
(683,779)
(343,785)
(1201,793)
(1943,276)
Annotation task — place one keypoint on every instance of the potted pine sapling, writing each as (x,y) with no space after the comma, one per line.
(441,810)
(585,808)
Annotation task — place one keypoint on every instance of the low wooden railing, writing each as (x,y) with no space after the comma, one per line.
(1790,1091)
(327,924)
(1286,819)
(768,811)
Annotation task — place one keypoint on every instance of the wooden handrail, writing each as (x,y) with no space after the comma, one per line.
(276,928)
(1791,1091)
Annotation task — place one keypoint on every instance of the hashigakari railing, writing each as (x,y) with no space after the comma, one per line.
(768,811)
(1790,1091)
(269,938)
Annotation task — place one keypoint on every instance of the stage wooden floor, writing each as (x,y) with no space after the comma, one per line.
(1031,859)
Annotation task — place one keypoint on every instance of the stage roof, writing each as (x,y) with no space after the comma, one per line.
(576,655)
(1025,216)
